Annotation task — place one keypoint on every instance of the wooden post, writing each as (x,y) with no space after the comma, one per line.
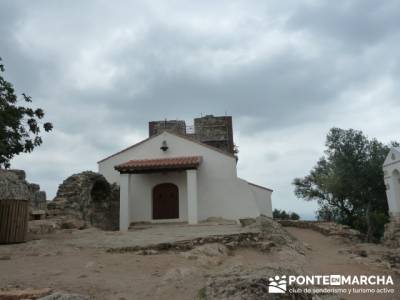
(13,221)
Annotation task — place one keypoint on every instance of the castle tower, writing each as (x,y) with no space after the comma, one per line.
(177,126)
(215,131)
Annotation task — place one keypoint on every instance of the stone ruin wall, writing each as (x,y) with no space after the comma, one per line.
(87,197)
(215,131)
(82,200)
(13,185)
(171,125)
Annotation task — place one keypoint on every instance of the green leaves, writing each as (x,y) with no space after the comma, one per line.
(348,181)
(33,127)
(39,113)
(27,98)
(47,126)
(283,215)
(19,125)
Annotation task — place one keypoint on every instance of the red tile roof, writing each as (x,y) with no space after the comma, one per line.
(159,164)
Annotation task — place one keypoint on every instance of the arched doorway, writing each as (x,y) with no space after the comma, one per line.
(165,201)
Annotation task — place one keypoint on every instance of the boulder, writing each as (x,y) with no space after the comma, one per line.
(267,223)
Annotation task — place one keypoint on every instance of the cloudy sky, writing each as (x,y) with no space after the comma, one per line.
(287,71)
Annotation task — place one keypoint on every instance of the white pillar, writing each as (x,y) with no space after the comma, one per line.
(394,199)
(124,200)
(391,195)
(191,176)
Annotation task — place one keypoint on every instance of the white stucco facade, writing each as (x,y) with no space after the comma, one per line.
(391,170)
(211,190)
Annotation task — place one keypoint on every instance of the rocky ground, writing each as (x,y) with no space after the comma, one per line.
(350,243)
(339,255)
(174,262)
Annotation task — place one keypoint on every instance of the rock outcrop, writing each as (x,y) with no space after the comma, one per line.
(86,199)
(208,254)
(240,283)
(326,228)
(263,234)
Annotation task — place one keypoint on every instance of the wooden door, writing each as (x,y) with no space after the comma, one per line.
(165,201)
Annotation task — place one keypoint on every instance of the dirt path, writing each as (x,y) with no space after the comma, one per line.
(324,257)
(76,262)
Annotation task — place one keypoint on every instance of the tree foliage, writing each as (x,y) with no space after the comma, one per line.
(348,182)
(283,215)
(20,126)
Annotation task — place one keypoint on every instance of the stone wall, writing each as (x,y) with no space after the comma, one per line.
(177,126)
(87,197)
(13,185)
(215,131)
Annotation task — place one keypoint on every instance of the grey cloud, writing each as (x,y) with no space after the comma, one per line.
(355,23)
(102,70)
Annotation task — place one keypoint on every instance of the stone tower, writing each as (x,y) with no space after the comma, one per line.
(177,126)
(216,131)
